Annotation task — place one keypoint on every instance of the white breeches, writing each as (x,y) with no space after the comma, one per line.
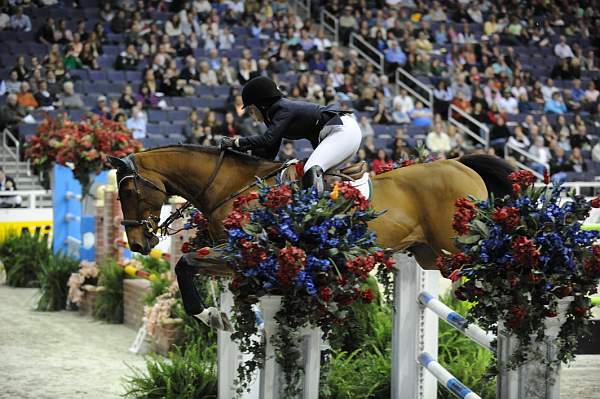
(339,144)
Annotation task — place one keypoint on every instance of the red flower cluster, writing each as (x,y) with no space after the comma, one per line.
(592,266)
(203,252)
(507,215)
(198,217)
(186,247)
(465,212)
(384,167)
(245,199)
(279,196)
(524,251)
(367,296)
(516,188)
(299,169)
(325,293)
(522,177)
(252,253)
(381,257)
(235,219)
(361,266)
(448,266)
(352,193)
(595,203)
(291,260)
(408,162)
(517,315)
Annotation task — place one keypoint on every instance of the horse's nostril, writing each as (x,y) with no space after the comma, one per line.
(135,247)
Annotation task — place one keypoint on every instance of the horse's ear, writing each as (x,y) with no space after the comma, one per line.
(117,163)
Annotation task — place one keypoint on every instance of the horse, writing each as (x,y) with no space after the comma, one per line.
(418,200)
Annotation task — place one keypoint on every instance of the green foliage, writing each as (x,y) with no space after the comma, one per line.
(23,256)
(153,265)
(157,288)
(462,357)
(109,301)
(187,373)
(52,278)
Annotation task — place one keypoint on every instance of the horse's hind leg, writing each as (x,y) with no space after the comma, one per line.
(192,301)
(425,256)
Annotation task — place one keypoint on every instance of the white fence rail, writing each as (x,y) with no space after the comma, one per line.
(29,195)
(330,24)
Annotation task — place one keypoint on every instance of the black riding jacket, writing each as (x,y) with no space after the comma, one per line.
(292,120)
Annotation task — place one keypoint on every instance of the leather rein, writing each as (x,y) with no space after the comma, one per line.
(163,228)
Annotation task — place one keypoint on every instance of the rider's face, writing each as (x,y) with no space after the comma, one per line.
(255,113)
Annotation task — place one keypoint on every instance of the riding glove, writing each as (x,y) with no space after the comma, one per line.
(228,142)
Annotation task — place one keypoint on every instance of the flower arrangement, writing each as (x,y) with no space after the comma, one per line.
(315,252)
(84,144)
(86,277)
(196,221)
(162,309)
(421,155)
(520,256)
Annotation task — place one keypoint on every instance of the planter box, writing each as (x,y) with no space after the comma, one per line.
(168,334)
(134,291)
(88,302)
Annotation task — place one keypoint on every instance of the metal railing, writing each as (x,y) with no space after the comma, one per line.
(413,85)
(331,25)
(29,195)
(368,52)
(302,8)
(11,147)
(483,129)
(510,147)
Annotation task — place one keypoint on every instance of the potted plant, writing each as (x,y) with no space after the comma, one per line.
(83,288)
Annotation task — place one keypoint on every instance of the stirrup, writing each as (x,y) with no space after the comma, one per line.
(314,177)
(214,319)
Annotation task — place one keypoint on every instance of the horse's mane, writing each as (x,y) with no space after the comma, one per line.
(242,156)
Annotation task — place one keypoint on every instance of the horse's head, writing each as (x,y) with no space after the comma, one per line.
(141,199)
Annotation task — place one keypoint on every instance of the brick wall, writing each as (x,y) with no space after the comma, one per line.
(134,291)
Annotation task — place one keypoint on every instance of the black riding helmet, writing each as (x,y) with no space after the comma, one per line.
(260,91)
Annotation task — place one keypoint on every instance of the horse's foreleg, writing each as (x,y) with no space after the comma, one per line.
(192,301)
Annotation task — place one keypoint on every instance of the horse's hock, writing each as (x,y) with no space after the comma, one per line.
(134,292)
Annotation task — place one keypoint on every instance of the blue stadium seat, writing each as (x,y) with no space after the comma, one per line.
(155,115)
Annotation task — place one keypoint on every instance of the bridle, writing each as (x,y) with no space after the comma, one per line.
(163,229)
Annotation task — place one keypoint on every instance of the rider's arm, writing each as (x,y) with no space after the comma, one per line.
(271,137)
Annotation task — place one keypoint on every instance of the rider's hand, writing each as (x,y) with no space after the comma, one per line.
(227,142)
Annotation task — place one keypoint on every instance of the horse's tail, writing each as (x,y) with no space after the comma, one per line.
(493,170)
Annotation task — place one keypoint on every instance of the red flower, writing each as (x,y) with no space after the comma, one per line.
(465,212)
(509,216)
(367,296)
(546,176)
(186,247)
(523,177)
(595,203)
(517,315)
(580,310)
(361,266)
(408,162)
(234,219)
(385,167)
(299,169)
(279,196)
(252,253)
(525,252)
(389,262)
(352,193)
(244,199)
(197,217)
(516,188)
(203,251)
(291,260)
(325,294)
(455,275)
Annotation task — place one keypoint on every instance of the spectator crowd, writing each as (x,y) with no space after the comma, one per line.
(172,71)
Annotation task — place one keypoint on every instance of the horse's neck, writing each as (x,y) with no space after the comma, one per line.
(187,173)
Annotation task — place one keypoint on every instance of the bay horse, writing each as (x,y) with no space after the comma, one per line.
(418,199)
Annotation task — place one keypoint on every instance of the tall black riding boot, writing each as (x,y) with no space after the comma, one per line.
(314,177)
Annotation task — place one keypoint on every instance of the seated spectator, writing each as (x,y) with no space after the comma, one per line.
(507,104)
(4,19)
(127,59)
(576,159)
(400,147)
(44,98)
(107,13)
(382,115)
(367,102)
(137,122)
(226,73)
(403,107)
(7,183)
(560,164)
(369,148)
(147,97)
(101,109)
(229,127)
(189,73)
(549,89)
(208,77)
(71,60)
(596,152)
(11,114)
(591,93)
(394,56)
(562,49)
(20,22)
(421,115)
(210,121)
(462,104)
(69,99)
(173,26)
(26,99)
(244,72)
(89,57)
(437,140)
(365,126)
(460,86)
(226,39)
(13,85)
(23,72)
(120,23)
(192,129)
(126,101)
(555,105)
(499,135)
(381,163)
(541,154)
(442,98)
(579,138)
(287,153)
(114,110)
(182,47)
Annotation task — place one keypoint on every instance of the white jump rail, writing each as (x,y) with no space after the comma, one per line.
(445,378)
(31,196)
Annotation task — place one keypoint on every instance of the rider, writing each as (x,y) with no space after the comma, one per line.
(334,134)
